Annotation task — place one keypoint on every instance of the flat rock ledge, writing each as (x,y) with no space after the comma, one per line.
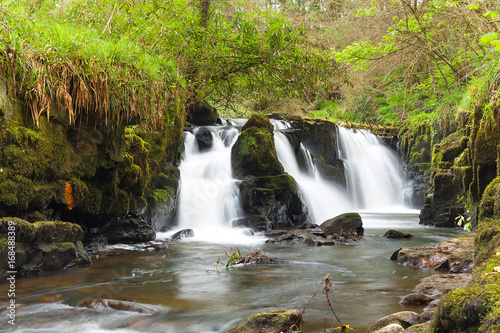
(30,248)
(454,257)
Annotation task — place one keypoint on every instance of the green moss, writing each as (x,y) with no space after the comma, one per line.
(58,232)
(56,247)
(280,182)
(271,321)
(25,231)
(487,240)
(254,153)
(490,202)
(259,121)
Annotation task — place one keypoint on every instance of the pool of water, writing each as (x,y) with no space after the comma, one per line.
(188,295)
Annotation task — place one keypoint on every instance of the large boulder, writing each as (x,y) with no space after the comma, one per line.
(129,230)
(254,222)
(277,198)
(254,152)
(285,321)
(201,113)
(204,139)
(346,225)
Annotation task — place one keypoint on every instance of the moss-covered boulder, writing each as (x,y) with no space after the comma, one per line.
(259,121)
(254,153)
(39,247)
(286,321)
(277,198)
(347,225)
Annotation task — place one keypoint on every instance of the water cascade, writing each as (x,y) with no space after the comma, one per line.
(375,178)
(324,199)
(209,197)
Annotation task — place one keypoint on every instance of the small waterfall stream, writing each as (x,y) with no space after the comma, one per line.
(209,198)
(375,177)
(324,199)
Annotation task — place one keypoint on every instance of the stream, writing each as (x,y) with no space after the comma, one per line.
(188,295)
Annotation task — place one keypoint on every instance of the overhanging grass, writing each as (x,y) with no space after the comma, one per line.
(51,57)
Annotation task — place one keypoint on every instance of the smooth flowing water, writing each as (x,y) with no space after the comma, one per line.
(189,296)
(185,294)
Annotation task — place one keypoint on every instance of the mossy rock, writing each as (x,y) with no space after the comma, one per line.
(285,321)
(487,240)
(58,232)
(403,318)
(259,121)
(347,224)
(474,308)
(490,202)
(453,145)
(254,153)
(25,231)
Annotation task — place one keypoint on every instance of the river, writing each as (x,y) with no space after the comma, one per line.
(188,295)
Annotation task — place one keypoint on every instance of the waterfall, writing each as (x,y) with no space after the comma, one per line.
(324,199)
(375,177)
(209,198)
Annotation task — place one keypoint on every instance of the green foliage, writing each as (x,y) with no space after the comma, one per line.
(147,55)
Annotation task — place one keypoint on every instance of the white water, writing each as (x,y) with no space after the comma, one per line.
(324,199)
(375,178)
(209,198)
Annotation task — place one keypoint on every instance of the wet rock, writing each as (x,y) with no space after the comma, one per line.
(419,328)
(397,234)
(302,237)
(185,233)
(391,328)
(285,321)
(204,139)
(258,258)
(42,246)
(254,153)
(254,222)
(129,230)
(277,198)
(347,225)
(201,113)
(417,298)
(442,283)
(107,304)
(404,319)
(455,253)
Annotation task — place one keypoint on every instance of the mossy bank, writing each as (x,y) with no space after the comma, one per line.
(90,171)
